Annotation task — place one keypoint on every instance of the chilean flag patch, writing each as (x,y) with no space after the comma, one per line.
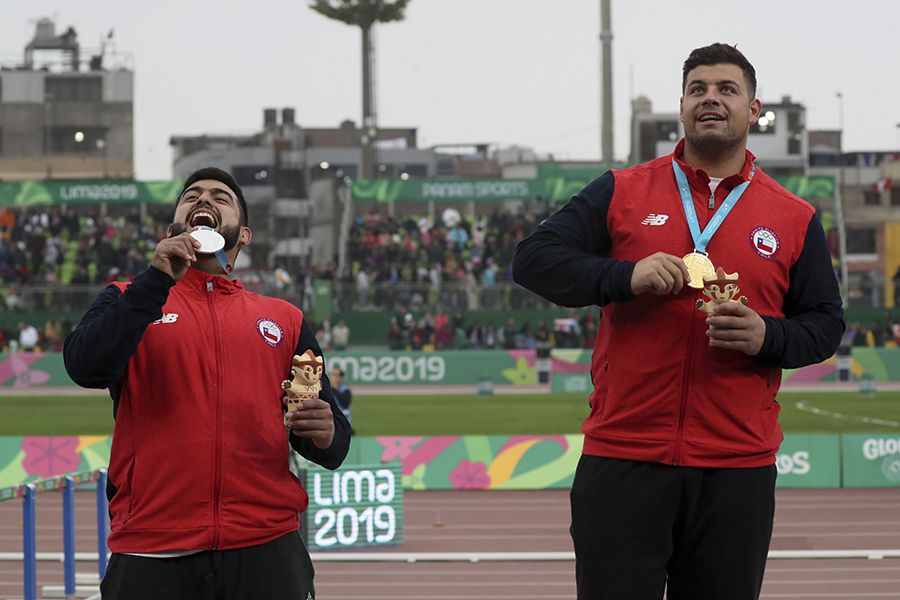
(764,241)
(270,331)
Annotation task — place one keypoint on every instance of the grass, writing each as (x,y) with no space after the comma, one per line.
(442,414)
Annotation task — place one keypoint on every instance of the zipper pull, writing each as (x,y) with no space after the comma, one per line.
(712,200)
(209,286)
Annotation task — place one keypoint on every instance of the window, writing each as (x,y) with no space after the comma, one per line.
(871,198)
(861,241)
(74,89)
(765,124)
(666,131)
(253,175)
(67,139)
(795,132)
(290,183)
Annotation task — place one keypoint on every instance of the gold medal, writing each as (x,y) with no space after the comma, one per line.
(698,265)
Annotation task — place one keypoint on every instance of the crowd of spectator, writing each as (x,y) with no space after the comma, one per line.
(26,337)
(63,244)
(456,263)
(441,331)
(881,333)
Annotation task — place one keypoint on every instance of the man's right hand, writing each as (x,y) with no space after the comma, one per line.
(175,255)
(659,274)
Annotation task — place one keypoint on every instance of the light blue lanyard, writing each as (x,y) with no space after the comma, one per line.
(701,239)
(223,261)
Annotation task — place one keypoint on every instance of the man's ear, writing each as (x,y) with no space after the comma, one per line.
(245,236)
(755,110)
(169,230)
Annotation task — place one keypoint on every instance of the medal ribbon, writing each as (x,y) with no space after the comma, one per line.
(701,239)
(223,261)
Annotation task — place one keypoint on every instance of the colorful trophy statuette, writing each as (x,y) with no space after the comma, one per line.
(719,288)
(306,371)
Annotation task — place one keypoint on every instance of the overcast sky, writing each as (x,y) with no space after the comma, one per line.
(463,71)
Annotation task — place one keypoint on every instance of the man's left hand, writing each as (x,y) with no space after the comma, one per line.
(736,327)
(313,420)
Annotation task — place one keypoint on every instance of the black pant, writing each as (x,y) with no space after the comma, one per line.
(278,570)
(640,528)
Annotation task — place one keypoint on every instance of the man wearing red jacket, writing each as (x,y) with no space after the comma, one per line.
(675,487)
(202,502)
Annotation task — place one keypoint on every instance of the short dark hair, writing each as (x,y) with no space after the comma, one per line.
(717,54)
(221,176)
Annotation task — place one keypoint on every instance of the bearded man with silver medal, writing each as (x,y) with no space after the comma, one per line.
(201,500)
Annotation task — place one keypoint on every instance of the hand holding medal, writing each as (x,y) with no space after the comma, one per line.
(660,274)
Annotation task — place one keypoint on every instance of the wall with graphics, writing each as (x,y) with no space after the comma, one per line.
(482,462)
(570,368)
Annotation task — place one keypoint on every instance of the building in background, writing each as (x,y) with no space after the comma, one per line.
(63,116)
(778,139)
(295,178)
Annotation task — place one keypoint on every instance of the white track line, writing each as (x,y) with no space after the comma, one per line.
(842,417)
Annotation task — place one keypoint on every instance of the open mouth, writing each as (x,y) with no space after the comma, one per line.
(203,218)
(710,117)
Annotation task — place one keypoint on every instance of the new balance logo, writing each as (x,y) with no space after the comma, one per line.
(166,318)
(653,219)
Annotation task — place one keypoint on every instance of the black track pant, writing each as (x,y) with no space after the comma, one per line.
(641,528)
(278,570)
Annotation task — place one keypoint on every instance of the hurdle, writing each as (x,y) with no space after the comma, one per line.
(66,484)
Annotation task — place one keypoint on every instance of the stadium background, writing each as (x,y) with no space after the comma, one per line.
(406,250)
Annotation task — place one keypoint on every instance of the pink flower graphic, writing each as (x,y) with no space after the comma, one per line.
(50,456)
(397,446)
(470,476)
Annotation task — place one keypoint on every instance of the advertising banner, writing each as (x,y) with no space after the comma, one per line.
(809,461)
(355,506)
(871,460)
(87,191)
(505,367)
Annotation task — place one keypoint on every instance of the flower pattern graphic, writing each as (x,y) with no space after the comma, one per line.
(470,475)
(47,456)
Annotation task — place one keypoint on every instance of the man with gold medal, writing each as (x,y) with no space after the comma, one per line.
(675,487)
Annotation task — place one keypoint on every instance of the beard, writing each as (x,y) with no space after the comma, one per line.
(231,234)
(714,144)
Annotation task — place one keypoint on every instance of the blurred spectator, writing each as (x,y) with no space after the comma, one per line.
(877,334)
(490,337)
(342,394)
(507,336)
(323,334)
(28,337)
(283,279)
(53,336)
(340,335)
(443,337)
(395,336)
(567,331)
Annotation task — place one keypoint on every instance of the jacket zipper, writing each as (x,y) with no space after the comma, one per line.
(687,371)
(686,379)
(217,466)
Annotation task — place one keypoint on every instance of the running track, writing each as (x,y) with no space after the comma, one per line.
(535,521)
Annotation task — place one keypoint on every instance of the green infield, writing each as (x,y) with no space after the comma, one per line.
(461,414)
